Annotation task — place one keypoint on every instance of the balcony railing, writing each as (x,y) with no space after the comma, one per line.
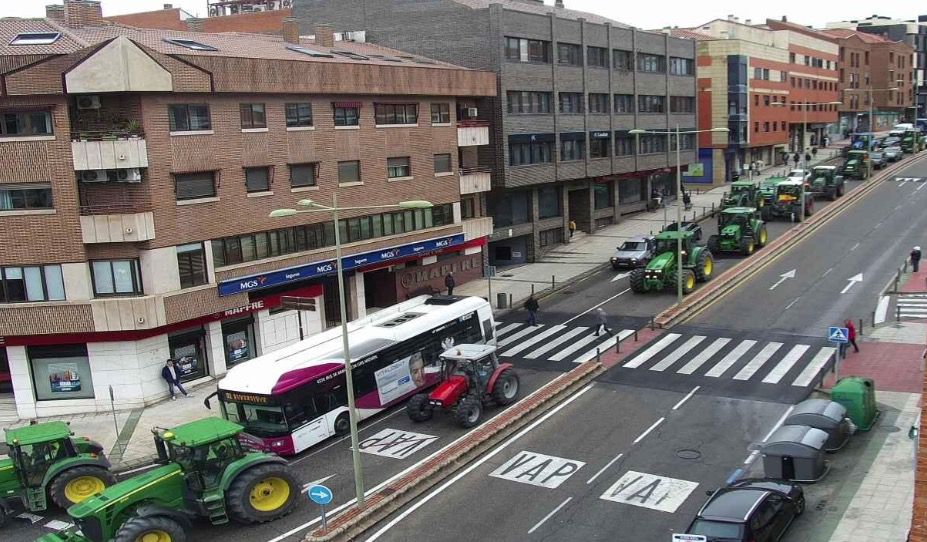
(474,170)
(112,134)
(472,123)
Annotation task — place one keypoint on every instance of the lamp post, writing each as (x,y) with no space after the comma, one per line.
(804,124)
(348,376)
(677,133)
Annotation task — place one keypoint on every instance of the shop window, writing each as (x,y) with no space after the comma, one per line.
(191,264)
(61,372)
(188,350)
(603,195)
(549,202)
(238,337)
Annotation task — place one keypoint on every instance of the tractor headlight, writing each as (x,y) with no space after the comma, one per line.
(435,403)
(278,444)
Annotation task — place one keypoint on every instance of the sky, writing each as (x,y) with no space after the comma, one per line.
(645,15)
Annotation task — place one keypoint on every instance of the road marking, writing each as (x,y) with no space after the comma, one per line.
(367,426)
(922,185)
(703,356)
(854,247)
(686,398)
(653,350)
(829,269)
(605,468)
(785,364)
(395,444)
(678,353)
(317,482)
(533,340)
(556,342)
(515,336)
(782,278)
(758,361)
(573,347)
(619,277)
(853,280)
(650,491)
(602,347)
(473,466)
(621,293)
(548,516)
(756,453)
(506,329)
(537,469)
(728,361)
(811,370)
(794,301)
(649,429)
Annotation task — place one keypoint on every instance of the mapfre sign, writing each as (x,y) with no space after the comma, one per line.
(416,276)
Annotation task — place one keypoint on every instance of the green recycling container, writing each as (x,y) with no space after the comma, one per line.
(857,395)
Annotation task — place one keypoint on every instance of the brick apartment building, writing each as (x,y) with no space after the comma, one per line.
(254,16)
(137,172)
(570,87)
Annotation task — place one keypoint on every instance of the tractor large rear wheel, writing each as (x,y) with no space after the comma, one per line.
(78,483)
(714,244)
(262,493)
(747,245)
(704,266)
(418,408)
(469,411)
(150,529)
(505,390)
(638,285)
(688,281)
(762,237)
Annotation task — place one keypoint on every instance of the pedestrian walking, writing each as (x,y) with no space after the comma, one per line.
(450,283)
(796,158)
(169,374)
(531,305)
(851,334)
(687,200)
(602,322)
(826,141)
(572,228)
(807,158)
(814,152)
(915,258)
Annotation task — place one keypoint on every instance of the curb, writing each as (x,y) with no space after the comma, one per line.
(353,521)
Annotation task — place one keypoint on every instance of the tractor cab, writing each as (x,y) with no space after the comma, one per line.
(34,449)
(743,194)
(740,229)
(203,449)
(789,191)
(667,241)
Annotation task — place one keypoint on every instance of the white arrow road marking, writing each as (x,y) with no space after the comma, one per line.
(882,308)
(317,482)
(783,277)
(853,280)
(620,276)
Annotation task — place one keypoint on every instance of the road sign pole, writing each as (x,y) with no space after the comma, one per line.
(324,519)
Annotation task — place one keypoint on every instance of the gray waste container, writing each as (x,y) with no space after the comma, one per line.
(825,415)
(795,452)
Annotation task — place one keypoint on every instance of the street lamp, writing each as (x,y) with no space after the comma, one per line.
(348,376)
(677,133)
(870,90)
(804,123)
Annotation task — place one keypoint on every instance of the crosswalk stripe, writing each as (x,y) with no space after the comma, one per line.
(731,358)
(703,356)
(556,342)
(653,350)
(506,329)
(599,348)
(785,364)
(811,370)
(573,347)
(678,353)
(754,364)
(515,336)
(533,340)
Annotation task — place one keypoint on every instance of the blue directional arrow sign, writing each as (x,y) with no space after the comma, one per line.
(320,495)
(838,334)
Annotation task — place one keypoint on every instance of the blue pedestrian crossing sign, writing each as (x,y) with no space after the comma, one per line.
(838,334)
(320,494)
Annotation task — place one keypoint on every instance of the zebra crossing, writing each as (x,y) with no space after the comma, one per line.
(910,179)
(911,305)
(558,343)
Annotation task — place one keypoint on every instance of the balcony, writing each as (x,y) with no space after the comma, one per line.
(475,228)
(475,179)
(472,133)
(116,227)
(109,149)
(128,313)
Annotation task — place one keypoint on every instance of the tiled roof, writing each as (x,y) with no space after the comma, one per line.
(528,6)
(688,34)
(843,33)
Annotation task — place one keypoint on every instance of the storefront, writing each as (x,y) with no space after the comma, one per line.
(188,350)
(61,372)
(238,338)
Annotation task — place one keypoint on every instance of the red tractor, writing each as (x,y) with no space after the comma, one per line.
(471,376)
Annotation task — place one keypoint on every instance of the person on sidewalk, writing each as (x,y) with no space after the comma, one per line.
(572,227)
(531,305)
(851,335)
(796,158)
(169,374)
(450,283)
(915,258)
(687,200)
(602,320)
(807,158)
(814,152)
(826,142)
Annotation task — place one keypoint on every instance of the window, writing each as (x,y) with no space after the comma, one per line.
(600,144)
(304,174)
(253,116)
(761,73)
(682,104)
(347,116)
(571,102)
(443,163)
(524,50)
(603,195)
(766,100)
(195,185)
(651,63)
(756,100)
(652,144)
(766,126)
(440,113)
(15,197)
(528,149)
(597,57)
(387,114)
(116,277)
(569,54)
(298,115)
(35,38)
(60,372)
(26,123)
(468,208)
(349,172)
(688,141)
(624,144)
(682,66)
(651,104)
(191,264)
(622,60)
(514,208)
(257,179)
(549,202)
(31,283)
(189,117)
(528,102)
(190,44)
(398,167)
(552,236)
(624,103)
(756,127)
(598,103)
(572,146)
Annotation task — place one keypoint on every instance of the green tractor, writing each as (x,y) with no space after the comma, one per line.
(768,190)
(787,202)
(741,230)
(743,194)
(661,272)
(47,461)
(204,472)
(827,182)
(857,165)
(912,142)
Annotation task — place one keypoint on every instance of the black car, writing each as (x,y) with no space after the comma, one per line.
(693,227)
(755,510)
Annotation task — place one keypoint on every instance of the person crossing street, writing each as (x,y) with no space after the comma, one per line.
(531,305)
(602,319)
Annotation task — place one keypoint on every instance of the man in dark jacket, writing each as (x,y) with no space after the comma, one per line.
(169,374)
(532,307)
(450,283)
(915,258)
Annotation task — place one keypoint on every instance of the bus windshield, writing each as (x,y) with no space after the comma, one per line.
(259,420)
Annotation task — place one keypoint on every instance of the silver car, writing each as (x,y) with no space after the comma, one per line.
(893,153)
(634,252)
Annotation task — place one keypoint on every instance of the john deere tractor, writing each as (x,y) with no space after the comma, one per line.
(857,165)
(912,142)
(661,272)
(741,230)
(204,473)
(787,203)
(743,194)
(47,461)
(826,182)
(768,189)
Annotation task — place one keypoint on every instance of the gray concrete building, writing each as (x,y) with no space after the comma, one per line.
(571,87)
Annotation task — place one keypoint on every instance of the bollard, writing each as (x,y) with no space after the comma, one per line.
(598,355)
(510,300)
(651,323)
(553,283)
(618,346)
(897,314)
(532,288)
(860,327)
(873,318)
(635,335)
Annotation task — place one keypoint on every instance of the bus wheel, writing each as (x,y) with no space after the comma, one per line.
(343,424)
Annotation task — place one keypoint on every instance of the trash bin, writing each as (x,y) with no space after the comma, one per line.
(857,395)
(825,415)
(795,452)
(502,300)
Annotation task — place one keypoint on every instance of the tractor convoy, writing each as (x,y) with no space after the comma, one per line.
(740,230)
(662,270)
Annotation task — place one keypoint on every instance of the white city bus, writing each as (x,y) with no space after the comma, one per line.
(295,397)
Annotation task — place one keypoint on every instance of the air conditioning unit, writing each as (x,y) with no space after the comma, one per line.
(472,112)
(130,175)
(94,176)
(88,102)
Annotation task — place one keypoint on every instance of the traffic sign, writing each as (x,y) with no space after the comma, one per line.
(838,334)
(320,495)
(689,538)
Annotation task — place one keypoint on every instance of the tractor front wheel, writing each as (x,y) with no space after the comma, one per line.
(638,284)
(762,237)
(747,245)
(714,244)
(262,493)
(418,408)
(150,529)
(469,411)
(505,390)
(704,266)
(688,280)
(839,190)
(76,484)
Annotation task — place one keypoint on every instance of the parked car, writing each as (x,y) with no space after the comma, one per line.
(799,175)
(893,153)
(749,510)
(693,227)
(634,252)
(877,158)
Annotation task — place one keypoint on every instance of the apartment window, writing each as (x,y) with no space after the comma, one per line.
(524,50)
(865,57)
(622,60)
(572,146)
(600,145)
(651,63)
(398,167)
(682,104)
(304,174)
(298,115)
(550,202)
(26,123)
(651,104)
(526,149)
(347,116)
(761,73)
(15,197)
(597,57)
(598,103)
(468,208)
(387,114)
(257,179)
(756,127)
(195,185)
(624,103)
(652,144)
(624,144)
(571,102)
(891,57)
(682,66)
(253,116)
(756,100)
(31,283)
(116,278)
(440,113)
(528,102)
(189,117)
(766,126)
(766,100)
(569,54)
(191,263)
(688,141)
(349,172)
(443,163)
